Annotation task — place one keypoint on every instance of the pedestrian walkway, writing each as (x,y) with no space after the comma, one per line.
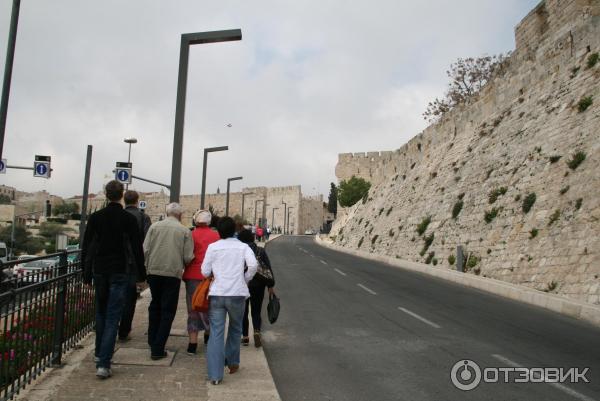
(180,377)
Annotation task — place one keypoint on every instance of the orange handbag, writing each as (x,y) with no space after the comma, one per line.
(200,301)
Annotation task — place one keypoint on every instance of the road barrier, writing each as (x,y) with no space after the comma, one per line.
(43,313)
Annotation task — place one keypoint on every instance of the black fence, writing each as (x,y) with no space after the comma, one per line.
(45,309)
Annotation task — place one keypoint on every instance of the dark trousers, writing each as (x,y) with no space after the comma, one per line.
(110,296)
(162,309)
(254,303)
(128,311)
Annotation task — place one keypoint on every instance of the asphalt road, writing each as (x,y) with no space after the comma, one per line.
(351,329)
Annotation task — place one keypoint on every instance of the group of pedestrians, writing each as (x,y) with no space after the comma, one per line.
(122,250)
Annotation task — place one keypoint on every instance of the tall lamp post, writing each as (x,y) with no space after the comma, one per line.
(188,39)
(284,215)
(130,141)
(206,152)
(288,218)
(227,197)
(255,207)
(243,198)
(8,67)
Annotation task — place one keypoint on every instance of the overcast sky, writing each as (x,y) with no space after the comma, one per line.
(309,80)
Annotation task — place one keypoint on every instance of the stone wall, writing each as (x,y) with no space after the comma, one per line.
(515,139)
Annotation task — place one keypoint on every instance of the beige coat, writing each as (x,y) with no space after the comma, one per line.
(168,247)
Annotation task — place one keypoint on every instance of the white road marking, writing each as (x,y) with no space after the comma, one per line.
(558,386)
(324,262)
(421,318)
(339,271)
(370,291)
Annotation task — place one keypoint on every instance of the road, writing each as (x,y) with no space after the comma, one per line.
(351,329)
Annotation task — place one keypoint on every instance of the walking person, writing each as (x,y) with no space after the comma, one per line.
(232,263)
(168,247)
(131,199)
(202,236)
(257,291)
(113,259)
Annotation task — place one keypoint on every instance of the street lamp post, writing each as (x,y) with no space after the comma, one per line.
(188,39)
(227,197)
(130,141)
(243,198)
(206,152)
(288,218)
(284,215)
(8,67)
(255,207)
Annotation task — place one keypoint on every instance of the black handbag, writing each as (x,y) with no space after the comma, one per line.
(273,308)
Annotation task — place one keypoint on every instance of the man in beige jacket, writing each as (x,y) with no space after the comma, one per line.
(168,247)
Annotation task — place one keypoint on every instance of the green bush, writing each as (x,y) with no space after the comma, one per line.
(374,239)
(429,257)
(533,233)
(578,203)
(528,202)
(584,103)
(472,262)
(451,260)
(490,215)
(555,216)
(564,190)
(493,196)
(592,60)
(576,160)
(428,241)
(422,227)
(391,233)
(434,261)
(389,211)
(554,159)
(456,209)
(360,241)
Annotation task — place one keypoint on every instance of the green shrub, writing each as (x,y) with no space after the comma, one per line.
(533,233)
(578,203)
(434,261)
(472,262)
(528,202)
(551,286)
(490,215)
(592,60)
(451,260)
(518,197)
(584,103)
(461,196)
(389,211)
(554,159)
(456,209)
(391,233)
(493,196)
(430,257)
(428,241)
(564,190)
(555,216)
(360,241)
(422,227)
(576,160)
(380,211)
(374,239)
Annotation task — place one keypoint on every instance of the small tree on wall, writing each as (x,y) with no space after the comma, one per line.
(5,200)
(332,201)
(353,190)
(467,77)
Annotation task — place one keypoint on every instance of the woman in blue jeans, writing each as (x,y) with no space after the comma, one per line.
(232,264)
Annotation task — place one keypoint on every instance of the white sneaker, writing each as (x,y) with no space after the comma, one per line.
(103,373)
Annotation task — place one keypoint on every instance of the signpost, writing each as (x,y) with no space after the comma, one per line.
(41,166)
(123,172)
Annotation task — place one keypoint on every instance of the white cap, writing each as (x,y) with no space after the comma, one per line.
(202,216)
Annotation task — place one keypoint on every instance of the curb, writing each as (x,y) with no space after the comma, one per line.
(568,307)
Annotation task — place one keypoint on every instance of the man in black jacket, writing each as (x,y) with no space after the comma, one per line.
(143,222)
(112,258)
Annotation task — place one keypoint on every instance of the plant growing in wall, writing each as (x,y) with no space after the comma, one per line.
(490,215)
(533,233)
(528,202)
(576,160)
(422,227)
(554,159)
(353,190)
(360,241)
(429,257)
(555,216)
(578,203)
(457,208)
(493,196)
(428,241)
(584,103)
(451,260)
(374,239)
(592,60)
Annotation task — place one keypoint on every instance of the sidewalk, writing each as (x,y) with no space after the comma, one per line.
(180,377)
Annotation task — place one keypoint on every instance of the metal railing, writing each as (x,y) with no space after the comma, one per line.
(45,309)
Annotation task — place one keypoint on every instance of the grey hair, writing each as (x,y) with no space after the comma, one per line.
(174,209)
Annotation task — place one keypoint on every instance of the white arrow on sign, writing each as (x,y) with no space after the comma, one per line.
(41,169)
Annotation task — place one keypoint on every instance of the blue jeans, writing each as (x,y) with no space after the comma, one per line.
(110,298)
(216,355)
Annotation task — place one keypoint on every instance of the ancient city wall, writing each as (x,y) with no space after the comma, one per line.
(518,139)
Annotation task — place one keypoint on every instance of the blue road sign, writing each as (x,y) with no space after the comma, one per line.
(142,205)
(41,169)
(123,175)
(3,166)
